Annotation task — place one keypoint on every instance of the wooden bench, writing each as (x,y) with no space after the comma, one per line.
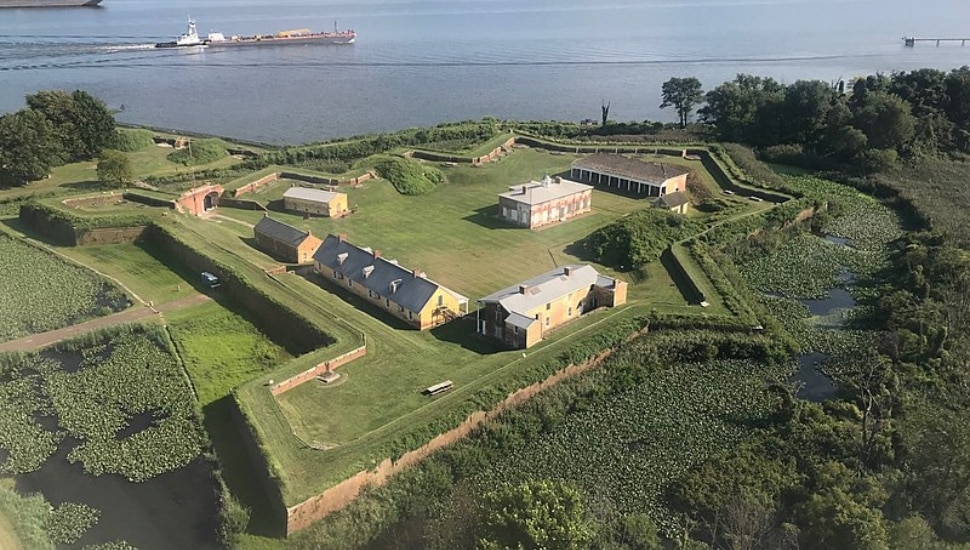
(439,388)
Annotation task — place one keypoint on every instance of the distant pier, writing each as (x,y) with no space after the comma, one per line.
(911,40)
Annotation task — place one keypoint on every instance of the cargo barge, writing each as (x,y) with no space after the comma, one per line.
(48,3)
(191,38)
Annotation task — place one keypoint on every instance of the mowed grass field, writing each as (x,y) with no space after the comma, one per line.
(221,349)
(454,233)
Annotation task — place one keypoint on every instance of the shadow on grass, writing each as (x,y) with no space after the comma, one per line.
(20,227)
(580,250)
(488,217)
(91,185)
(462,332)
(681,280)
(247,482)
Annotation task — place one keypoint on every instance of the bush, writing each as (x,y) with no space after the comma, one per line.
(132,140)
(638,239)
(199,151)
(790,154)
(410,177)
(873,161)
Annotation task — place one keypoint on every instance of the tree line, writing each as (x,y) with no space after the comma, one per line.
(866,126)
(55,128)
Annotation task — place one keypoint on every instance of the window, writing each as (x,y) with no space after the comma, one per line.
(570,311)
(515,329)
(400,308)
(388,304)
(337,275)
(548,306)
(441,300)
(547,321)
(410,315)
(350,283)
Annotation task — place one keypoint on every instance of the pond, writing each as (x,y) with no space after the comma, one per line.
(814,385)
(173,510)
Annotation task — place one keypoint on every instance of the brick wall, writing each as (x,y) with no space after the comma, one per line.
(309,374)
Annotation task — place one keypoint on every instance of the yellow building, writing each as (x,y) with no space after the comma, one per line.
(521,315)
(407,294)
(318,202)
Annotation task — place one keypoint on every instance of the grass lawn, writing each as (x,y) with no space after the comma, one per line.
(221,349)
(136,267)
(453,233)
(150,161)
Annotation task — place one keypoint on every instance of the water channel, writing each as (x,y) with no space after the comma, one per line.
(172,510)
(814,384)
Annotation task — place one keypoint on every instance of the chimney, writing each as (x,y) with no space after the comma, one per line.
(568,271)
(523,289)
(418,273)
(341,237)
(558,179)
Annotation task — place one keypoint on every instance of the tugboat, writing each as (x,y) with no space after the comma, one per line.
(189,39)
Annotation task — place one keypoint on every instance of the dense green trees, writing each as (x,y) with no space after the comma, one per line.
(28,147)
(882,118)
(56,127)
(537,515)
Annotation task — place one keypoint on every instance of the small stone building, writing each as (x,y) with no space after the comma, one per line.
(407,294)
(629,175)
(286,242)
(318,202)
(519,316)
(536,204)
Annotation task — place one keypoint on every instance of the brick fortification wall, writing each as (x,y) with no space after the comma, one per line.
(315,508)
(309,374)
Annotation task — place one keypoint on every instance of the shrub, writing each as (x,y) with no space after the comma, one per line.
(132,140)
(199,151)
(410,177)
(790,154)
(640,238)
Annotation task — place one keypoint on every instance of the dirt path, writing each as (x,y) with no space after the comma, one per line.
(130,315)
(8,539)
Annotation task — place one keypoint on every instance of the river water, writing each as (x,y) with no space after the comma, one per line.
(419,62)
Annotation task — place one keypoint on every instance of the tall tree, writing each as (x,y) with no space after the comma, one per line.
(83,124)
(683,94)
(115,168)
(28,147)
(744,110)
(606,113)
(536,515)
(886,120)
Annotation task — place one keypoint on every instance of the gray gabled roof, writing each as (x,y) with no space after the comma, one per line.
(672,200)
(548,189)
(519,320)
(308,194)
(281,232)
(545,288)
(629,168)
(412,292)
